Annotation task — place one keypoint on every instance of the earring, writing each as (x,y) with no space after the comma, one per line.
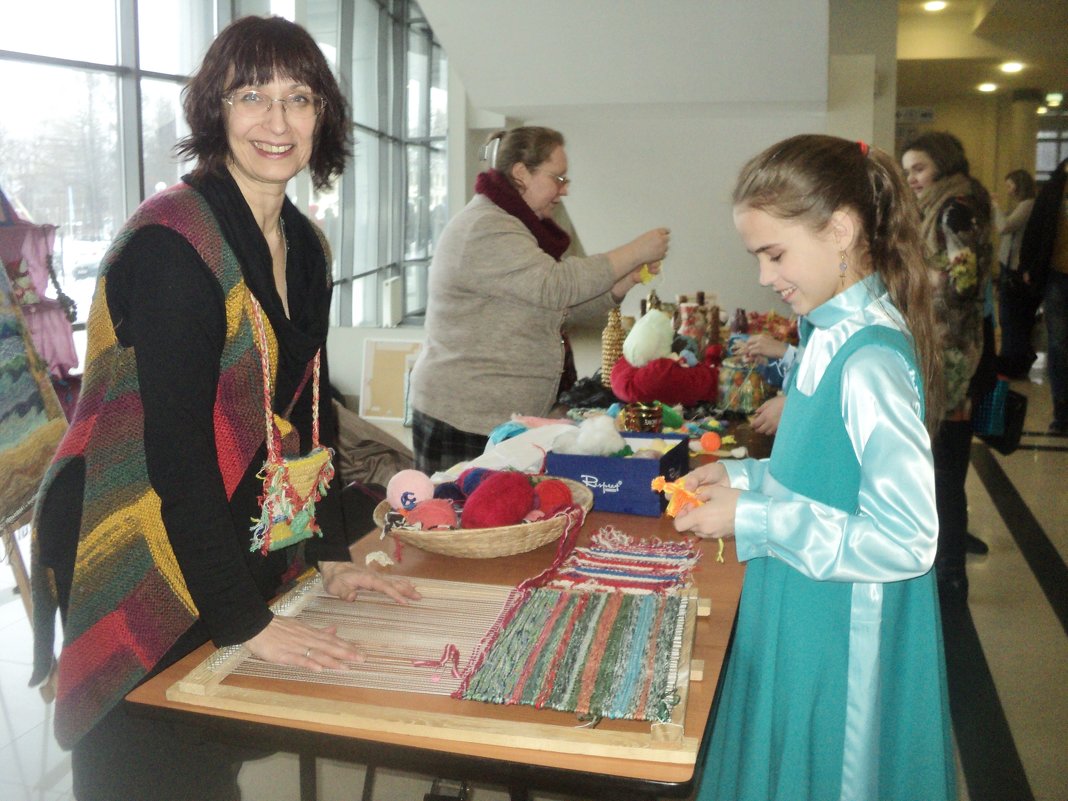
(842,267)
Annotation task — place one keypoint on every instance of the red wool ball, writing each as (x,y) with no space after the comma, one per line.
(552,495)
(502,499)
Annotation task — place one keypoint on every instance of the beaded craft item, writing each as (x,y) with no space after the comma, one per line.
(291,486)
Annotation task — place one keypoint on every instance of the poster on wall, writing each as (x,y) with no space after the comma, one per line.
(387,365)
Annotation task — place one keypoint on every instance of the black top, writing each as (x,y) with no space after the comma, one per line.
(167,305)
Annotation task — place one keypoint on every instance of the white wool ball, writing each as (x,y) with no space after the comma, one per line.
(649,339)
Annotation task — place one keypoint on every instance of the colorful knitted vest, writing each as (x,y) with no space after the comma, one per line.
(125,573)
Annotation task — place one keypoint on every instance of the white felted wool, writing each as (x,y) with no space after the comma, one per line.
(650,338)
(597,436)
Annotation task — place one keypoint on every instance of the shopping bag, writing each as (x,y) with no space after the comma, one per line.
(1014,412)
(988,415)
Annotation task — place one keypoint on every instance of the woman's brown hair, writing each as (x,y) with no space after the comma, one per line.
(531,145)
(809,177)
(253,51)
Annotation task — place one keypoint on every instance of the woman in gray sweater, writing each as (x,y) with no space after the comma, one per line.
(500,292)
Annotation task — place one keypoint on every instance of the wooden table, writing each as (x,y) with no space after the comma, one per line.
(516,768)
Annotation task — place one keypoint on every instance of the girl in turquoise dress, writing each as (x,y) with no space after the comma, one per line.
(835,688)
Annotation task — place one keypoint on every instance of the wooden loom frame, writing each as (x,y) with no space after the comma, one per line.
(211,684)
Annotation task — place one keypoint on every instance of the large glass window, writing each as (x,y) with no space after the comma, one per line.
(1052,145)
(100,112)
(98,101)
(399,100)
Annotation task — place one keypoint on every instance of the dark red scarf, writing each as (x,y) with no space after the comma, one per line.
(553,239)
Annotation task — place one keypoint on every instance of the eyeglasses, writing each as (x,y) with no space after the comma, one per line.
(561,180)
(254,105)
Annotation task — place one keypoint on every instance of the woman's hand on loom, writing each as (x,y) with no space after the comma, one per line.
(345,579)
(286,641)
(715,517)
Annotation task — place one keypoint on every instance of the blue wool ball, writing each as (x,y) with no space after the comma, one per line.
(471,478)
(450,491)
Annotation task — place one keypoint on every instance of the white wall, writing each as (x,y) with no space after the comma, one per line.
(660,103)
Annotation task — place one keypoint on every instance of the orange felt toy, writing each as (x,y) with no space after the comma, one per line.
(681,498)
(502,499)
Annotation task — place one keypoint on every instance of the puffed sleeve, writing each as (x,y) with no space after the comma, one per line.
(893,532)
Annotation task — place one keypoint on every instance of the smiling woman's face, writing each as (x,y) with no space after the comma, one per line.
(272,148)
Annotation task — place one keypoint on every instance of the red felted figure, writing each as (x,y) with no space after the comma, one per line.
(502,499)
(649,372)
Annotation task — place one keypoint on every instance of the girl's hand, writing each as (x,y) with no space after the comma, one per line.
(715,517)
(711,474)
(765,420)
(344,579)
(763,345)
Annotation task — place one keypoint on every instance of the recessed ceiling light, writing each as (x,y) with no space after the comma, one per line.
(1011,66)
(987,87)
(935,5)
(1041,110)
(1054,99)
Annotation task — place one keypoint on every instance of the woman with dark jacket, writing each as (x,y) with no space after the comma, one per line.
(956,228)
(1044,263)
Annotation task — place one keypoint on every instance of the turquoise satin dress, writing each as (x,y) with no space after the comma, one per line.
(836,685)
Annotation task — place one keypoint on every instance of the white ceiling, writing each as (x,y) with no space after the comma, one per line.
(514,56)
(945,56)
(520,59)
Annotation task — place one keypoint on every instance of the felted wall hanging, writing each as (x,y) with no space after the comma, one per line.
(31,420)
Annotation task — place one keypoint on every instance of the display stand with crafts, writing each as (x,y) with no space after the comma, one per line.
(453,696)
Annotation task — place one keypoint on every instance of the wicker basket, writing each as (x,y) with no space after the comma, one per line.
(485,543)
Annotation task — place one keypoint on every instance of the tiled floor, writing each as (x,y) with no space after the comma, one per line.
(1017,606)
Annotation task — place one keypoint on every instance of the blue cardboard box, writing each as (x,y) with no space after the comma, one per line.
(623,484)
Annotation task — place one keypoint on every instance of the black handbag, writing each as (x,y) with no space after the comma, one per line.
(998,419)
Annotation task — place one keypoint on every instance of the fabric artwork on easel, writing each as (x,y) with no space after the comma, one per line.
(597,654)
(31,419)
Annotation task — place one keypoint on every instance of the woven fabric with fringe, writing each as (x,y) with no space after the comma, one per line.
(616,561)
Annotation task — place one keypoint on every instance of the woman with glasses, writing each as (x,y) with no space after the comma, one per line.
(196,476)
(501,291)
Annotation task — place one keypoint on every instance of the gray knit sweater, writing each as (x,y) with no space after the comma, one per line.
(496,305)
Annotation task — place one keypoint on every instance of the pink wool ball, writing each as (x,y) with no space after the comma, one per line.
(436,513)
(407,488)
